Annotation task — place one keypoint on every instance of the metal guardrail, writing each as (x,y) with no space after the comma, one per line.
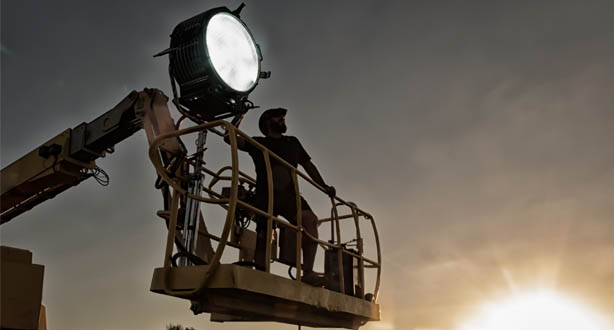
(231,203)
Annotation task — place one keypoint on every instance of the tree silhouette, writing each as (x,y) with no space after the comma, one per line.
(177,327)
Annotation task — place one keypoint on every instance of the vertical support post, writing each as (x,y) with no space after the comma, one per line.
(359,243)
(339,247)
(190,223)
(299,223)
(379,257)
(172,227)
(340,269)
(332,226)
(269,227)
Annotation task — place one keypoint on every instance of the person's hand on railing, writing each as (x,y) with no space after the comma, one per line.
(331,191)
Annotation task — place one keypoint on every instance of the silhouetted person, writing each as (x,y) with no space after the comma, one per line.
(272,124)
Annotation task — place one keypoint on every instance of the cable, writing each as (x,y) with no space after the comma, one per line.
(99,175)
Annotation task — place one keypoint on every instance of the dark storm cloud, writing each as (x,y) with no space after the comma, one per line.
(478,134)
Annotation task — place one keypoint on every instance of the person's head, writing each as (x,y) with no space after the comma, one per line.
(273,121)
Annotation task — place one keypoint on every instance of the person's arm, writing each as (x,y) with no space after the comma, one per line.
(314,174)
(241,143)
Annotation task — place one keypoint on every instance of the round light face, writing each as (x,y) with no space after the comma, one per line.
(232,52)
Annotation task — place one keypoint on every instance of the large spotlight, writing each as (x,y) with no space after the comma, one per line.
(216,63)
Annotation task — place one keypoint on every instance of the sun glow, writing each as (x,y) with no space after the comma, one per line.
(535,311)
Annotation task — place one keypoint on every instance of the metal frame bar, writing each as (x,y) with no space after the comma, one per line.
(230,204)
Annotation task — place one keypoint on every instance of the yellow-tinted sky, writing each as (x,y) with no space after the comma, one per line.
(479,136)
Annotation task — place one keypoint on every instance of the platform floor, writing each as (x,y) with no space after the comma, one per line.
(242,294)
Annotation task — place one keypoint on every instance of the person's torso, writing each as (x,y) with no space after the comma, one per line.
(286,147)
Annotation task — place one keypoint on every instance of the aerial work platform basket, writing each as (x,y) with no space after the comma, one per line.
(193,268)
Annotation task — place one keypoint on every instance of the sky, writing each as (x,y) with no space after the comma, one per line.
(478,134)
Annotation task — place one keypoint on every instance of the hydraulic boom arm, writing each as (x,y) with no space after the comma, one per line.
(69,158)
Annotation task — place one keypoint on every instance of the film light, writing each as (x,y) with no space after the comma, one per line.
(216,63)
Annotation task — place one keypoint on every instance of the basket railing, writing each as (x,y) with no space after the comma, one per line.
(231,202)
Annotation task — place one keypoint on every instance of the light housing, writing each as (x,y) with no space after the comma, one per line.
(216,63)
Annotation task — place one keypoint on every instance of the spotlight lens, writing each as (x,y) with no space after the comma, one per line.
(232,52)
